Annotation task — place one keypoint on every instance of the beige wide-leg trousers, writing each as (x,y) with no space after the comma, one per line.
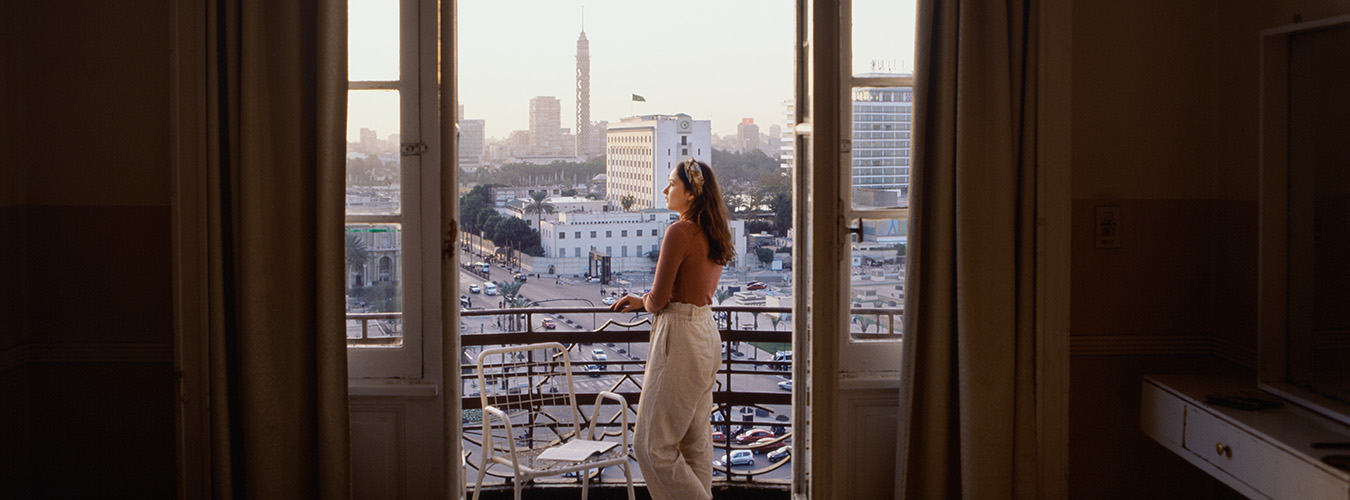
(673,437)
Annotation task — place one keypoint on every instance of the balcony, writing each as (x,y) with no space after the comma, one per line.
(747,393)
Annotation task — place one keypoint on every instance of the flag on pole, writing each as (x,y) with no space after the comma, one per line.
(639,98)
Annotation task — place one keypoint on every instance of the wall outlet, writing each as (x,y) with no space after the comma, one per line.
(1107,232)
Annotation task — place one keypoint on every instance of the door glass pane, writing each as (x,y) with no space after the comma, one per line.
(372,34)
(373,160)
(882,118)
(883,36)
(876,292)
(374,284)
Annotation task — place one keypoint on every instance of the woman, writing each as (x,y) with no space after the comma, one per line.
(673,438)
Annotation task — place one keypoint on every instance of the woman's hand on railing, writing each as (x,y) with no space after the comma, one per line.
(629,303)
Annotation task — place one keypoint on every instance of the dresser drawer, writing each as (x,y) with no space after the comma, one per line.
(1256,463)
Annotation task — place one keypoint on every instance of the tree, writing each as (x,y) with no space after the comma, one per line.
(765,254)
(722,295)
(357,253)
(509,289)
(627,201)
(539,206)
(473,204)
(568,192)
(780,205)
(758,226)
(654,254)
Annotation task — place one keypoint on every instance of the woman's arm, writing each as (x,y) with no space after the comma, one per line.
(674,249)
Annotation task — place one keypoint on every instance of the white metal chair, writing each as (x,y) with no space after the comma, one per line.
(530,406)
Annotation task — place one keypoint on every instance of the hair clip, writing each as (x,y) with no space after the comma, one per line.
(695,175)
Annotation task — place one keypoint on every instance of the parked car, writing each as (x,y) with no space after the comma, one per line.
(736,457)
(755,285)
(785,385)
(474,289)
(765,445)
(549,323)
(752,435)
(718,437)
(780,454)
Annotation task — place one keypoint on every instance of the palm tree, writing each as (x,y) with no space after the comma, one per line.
(722,294)
(627,201)
(539,206)
(509,289)
(357,253)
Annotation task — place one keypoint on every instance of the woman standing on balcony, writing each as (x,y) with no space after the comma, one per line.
(673,437)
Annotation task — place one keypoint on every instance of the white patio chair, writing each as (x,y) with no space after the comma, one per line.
(529,407)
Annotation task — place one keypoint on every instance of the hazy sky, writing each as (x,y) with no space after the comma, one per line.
(719,60)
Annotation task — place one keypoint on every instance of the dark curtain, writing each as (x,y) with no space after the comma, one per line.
(968,395)
(276,347)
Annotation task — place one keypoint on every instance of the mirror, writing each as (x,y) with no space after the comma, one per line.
(1319,194)
(1305,215)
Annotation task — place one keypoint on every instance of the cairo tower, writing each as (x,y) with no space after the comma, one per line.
(583,129)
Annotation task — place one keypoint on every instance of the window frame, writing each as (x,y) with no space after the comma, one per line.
(418,204)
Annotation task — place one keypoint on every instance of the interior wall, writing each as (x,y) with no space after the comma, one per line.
(89,373)
(1165,122)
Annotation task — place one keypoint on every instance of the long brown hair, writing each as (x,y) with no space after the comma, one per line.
(708,210)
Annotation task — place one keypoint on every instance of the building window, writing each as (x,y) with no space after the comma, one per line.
(609,234)
(562,235)
(624,250)
(592,234)
(639,232)
(577,234)
(623,233)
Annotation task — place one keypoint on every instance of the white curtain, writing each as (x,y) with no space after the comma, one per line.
(276,348)
(968,416)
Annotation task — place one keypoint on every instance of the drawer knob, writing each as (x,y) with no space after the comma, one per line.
(1224,451)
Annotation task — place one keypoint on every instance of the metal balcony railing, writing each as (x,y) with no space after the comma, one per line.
(747,395)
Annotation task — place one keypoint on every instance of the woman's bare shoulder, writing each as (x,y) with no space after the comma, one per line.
(684,227)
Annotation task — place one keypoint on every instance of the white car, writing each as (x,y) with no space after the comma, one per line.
(609,300)
(785,385)
(599,355)
(490,288)
(738,457)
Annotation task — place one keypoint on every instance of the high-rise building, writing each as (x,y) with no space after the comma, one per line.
(641,151)
(595,139)
(545,126)
(583,96)
(786,155)
(747,135)
(472,143)
(881,137)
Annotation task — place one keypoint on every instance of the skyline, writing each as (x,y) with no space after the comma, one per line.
(718,61)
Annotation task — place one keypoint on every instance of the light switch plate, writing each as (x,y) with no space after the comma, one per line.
(1107,232)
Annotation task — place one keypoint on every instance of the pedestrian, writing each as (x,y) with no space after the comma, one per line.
(673,437)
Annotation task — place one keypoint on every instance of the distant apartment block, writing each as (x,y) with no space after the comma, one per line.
(641,151)
(881,137)
(747,134)
(472,143)
(546,126)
